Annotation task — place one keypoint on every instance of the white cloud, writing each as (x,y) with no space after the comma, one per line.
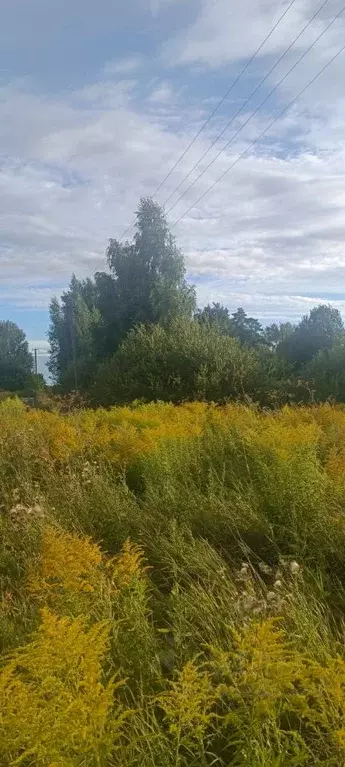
(267,308)
(163,94)
(42,346)
(27,296)
(276,224)
(75,164)
(226,32)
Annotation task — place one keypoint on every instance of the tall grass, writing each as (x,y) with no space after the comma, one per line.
(172,585)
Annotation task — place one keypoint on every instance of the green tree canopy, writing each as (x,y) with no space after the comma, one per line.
(73,323)
(317,331)
(275,333)
(326,372)
(145,284)
(246,329)
(185,360)
(216,315)
(16,362)
(147,278)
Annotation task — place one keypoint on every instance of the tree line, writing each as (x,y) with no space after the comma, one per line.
(134,332)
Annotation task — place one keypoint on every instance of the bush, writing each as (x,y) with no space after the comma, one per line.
(185,361)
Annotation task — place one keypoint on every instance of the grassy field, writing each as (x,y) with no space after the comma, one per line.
(172,587)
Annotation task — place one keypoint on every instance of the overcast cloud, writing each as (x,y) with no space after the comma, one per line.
(79,148)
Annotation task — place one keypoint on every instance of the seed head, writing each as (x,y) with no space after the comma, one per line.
(294,568)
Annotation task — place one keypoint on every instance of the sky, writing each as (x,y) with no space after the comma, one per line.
(99,100)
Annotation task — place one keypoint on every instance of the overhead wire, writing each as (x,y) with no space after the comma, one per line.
(231,121)
(205,124)
(263,133)
(235,82)
(257,109)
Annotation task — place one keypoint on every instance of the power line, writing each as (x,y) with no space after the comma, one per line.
(238,78)
(261,134)
(245,103)
(303,55)
(205,124)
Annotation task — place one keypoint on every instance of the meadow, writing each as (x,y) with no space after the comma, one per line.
(172,586)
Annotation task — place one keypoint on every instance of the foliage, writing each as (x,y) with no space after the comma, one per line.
(145,284)
(184,361)
(189,710)
(128,333)
(16,362)
(246,329)
(194,552)
(149,274)
(276,333)
(326,372)
(172,574)
(217,315)
(317,331)
(55,708)
(73,324)
(69,566)
(267,686)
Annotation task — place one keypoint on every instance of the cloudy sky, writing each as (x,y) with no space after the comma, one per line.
(98,101)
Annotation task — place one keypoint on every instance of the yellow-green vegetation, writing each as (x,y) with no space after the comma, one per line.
(172,586)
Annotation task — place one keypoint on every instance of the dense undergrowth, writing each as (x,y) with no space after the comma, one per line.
(172,587)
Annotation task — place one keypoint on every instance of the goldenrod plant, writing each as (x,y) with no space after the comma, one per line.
(55,706)
(172,586)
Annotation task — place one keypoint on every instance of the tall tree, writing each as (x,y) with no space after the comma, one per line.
(73,323)
(247,330)
(317,331)
(326,372)
(147,278)
(16,362)
(275,333)
(216,315)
